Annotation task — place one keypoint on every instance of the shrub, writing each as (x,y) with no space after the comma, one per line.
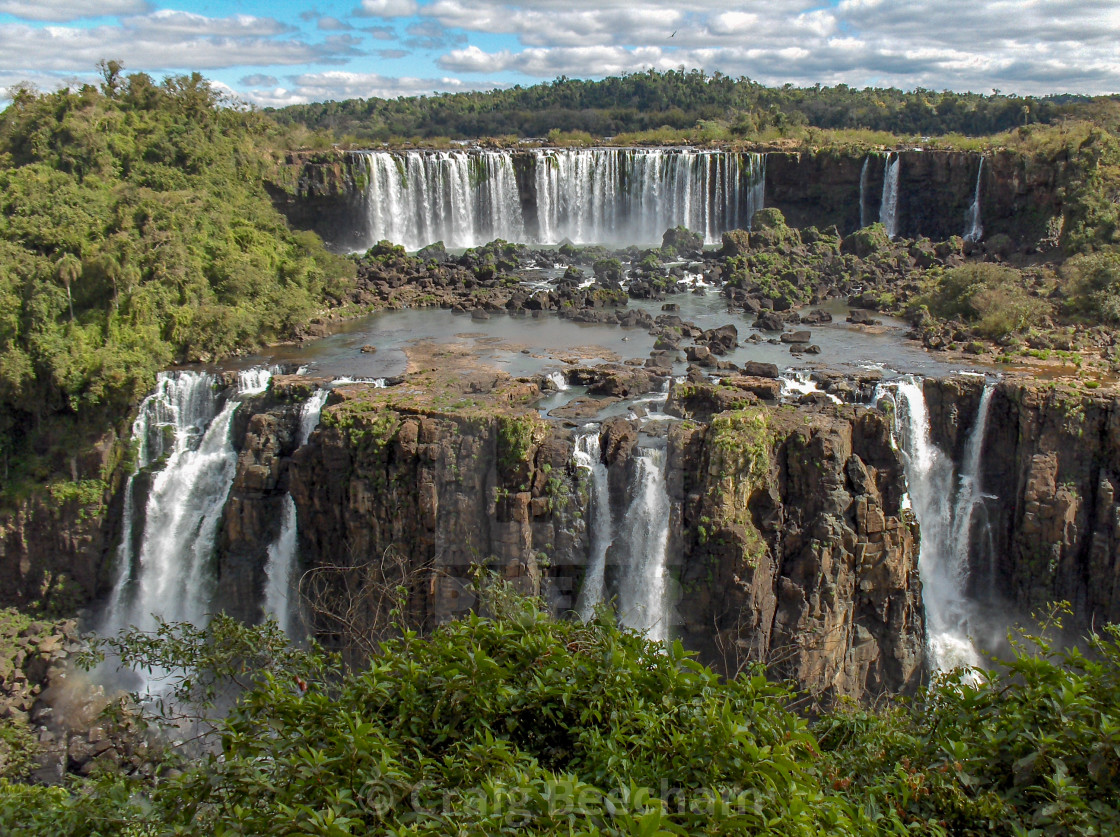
(989,297)
(1093,285)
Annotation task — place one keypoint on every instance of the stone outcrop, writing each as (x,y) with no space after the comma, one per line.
(53,547)
(795,548)
(1050,528)
(444,489)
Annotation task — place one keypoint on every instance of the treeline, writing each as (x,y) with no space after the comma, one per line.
(676,99)
(135,231)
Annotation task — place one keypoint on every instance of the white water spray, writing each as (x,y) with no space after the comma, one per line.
(973,228)
(558,381)
(643,588)
(864,177)
(944,516)
(888,209)
(170,577)
(597,195)
(283,553)
(588,456)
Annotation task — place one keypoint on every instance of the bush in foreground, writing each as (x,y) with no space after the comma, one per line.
(522,724)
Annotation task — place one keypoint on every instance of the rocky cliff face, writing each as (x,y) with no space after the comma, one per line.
(1051,469)
(53,548)
(789,545)
(417,493)
(1019,196)
(323,192)
(796,550)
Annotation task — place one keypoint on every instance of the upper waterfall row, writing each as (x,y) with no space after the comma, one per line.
(587,196)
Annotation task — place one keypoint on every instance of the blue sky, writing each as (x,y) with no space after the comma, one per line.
(277,53)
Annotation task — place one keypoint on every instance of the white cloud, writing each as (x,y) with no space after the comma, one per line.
(1042,46)
(167,23)
(318,87)
(64,10)
(386,8)
(148,45)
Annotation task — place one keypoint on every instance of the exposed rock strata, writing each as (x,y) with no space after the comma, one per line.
(1050,527)
(796,550)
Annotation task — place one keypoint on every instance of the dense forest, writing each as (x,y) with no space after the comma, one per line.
(135,231)
(676,99)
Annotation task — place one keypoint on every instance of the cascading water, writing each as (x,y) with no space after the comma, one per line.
(461,198)
(588,456)
(864,177)
(973,228)
(601,195)
(283,553)
(798,382)
(888,208)
(945,518)
(558,381)
(643,587)
(165,572)
(970,496)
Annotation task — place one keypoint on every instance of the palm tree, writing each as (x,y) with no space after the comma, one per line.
(68,269)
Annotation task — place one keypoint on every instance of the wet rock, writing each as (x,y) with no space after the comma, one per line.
(756,369)
(617,439)
(797,337)
(720,340)
(860,317)
(769,321)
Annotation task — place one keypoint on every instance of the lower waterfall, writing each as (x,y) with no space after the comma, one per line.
(643,585)
(183,434)
(945,508)
(283,553)
(588,456)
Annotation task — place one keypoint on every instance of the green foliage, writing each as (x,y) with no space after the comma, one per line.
(135,231)
(1032,747)
(514,440)
(672,107)
(991,298)
(1093,285)
(513,722)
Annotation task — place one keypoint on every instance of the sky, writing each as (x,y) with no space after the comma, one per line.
(288,51)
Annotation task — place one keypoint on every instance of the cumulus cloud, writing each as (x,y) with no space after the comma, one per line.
(59,11)
(166,44)
(1038,47)
(258,80)
(318,87)
(431,35)
(386,8)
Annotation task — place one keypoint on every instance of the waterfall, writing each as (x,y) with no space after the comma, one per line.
(945,518)
(888,209)
(973,228)
(970,495)
(283,553)
(180,431)
(597,195)
(558,380)
(644,584)
(864,213)
(588,456)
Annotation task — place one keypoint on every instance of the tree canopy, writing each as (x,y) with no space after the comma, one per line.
(135,231)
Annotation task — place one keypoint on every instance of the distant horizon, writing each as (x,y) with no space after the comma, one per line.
(273,54)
